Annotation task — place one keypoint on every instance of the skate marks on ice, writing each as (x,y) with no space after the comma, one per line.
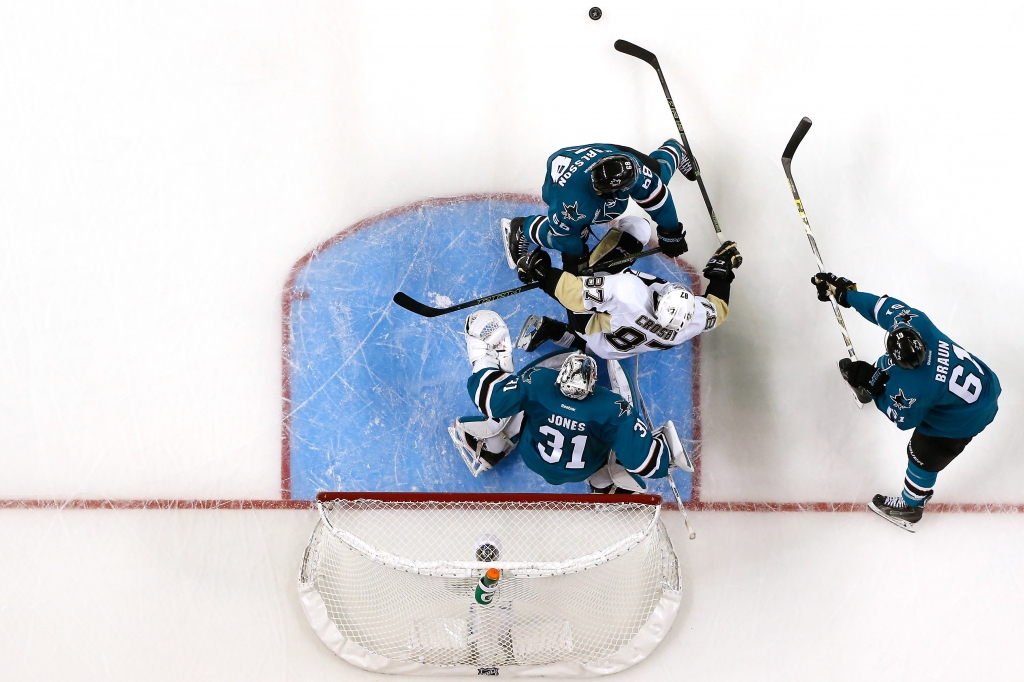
(369,388)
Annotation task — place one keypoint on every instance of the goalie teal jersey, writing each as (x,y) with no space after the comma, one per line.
(567,440)
(952,395)
(573,205)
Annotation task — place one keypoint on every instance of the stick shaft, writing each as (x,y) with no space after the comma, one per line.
(787,160)
(424,310)
(636,51)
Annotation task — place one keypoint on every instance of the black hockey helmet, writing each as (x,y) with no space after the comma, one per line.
(613,173)
(906,347)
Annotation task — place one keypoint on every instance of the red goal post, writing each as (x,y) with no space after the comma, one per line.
(589,583)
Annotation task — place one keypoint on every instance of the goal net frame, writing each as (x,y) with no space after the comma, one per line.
(620,559)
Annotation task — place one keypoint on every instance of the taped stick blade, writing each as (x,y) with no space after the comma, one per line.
(626,47)
(796,139)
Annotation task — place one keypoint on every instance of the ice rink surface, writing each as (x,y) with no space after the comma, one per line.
(164,167)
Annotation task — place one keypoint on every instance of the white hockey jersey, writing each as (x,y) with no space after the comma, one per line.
(623,321)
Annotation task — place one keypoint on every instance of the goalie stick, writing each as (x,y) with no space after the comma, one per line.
(787,161)
(671,481)
(422,309)
(626,47)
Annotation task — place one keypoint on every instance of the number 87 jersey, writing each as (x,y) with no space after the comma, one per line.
(617,314)
(952,395)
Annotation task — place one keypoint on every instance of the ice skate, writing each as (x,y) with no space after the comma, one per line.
(897,511)
(514,240)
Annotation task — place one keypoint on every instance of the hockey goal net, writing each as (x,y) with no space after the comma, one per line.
(589,584)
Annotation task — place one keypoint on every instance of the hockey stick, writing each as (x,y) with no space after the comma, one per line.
(586,272)
(787,160)
(424,310)
(671,482)
(626,47)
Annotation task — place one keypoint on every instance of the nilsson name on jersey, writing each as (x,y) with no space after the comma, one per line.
(565,422)
(564,170)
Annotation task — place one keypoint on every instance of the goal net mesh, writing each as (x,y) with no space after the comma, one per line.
(579,579)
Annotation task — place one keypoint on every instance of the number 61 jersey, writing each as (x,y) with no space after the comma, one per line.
(952,395)
(615,314)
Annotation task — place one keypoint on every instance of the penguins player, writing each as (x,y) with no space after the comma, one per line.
(564,426)
(591,185)
(925,382)
(624,313)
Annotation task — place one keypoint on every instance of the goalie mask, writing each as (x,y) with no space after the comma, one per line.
(906,347)
(675,307)
(612,174)
(577,377)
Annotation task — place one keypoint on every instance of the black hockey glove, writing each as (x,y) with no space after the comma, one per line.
(864,377)
(828,284)
(728,251)
(672,242)
(719,269)
(534,266)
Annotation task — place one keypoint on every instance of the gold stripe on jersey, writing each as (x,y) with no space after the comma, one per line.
(599,323)
(607,243)
(721,309)
(569,292)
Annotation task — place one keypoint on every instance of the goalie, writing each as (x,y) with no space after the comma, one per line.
(566,428)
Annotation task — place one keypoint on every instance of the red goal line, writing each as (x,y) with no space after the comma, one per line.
(819,507)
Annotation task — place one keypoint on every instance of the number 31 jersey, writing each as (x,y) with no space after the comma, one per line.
(567,440)
(616,313)
(952,395)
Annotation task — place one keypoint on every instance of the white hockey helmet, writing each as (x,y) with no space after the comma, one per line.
(676,307)
(577,376)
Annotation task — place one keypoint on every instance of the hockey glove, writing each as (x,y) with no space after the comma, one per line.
(863,376)
(718,269)
(672,242)
(728,251)
(534,266)
(828,284)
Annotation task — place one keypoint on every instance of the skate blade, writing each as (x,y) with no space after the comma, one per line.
(468,456)
(526,334)
(905,525)
(506,238)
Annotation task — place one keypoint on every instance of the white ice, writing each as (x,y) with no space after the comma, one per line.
(163,166)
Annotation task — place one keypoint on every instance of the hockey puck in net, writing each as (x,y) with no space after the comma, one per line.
(595,13)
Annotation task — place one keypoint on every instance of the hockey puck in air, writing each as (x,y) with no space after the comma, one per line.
(595,13)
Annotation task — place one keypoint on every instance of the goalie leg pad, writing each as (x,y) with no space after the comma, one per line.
(488,343)
(483,442)
(679,457)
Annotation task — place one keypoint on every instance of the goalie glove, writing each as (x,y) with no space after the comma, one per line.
(828,284)
(868,381)
(488,343)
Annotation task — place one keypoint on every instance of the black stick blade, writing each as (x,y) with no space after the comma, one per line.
(626,47)
(798,136)
(414,306)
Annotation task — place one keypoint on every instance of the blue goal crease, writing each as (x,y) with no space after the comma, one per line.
(374,387)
